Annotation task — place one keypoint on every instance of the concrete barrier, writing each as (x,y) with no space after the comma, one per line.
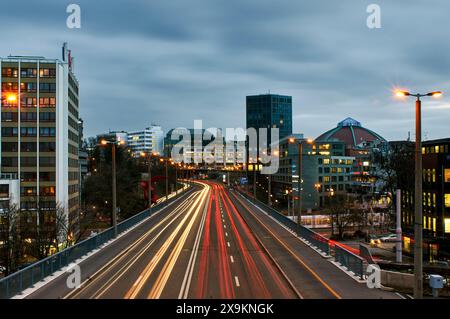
(397,280)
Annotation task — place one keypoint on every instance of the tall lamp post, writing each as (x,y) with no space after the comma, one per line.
(269,182)
(418,219)
(114,184)
(149,157)
(299,170)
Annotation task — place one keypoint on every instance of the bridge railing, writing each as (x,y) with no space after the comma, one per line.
(25,278)
(349,260)
(344,257)
(315,239)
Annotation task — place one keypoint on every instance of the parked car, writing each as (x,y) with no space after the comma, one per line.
(391,238)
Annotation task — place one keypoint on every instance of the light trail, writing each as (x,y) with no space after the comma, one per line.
(134,291)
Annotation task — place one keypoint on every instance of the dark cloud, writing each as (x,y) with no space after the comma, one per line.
(170,62)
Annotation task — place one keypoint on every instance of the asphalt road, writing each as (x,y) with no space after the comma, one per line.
(210,243)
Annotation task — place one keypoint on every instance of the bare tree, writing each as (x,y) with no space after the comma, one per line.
(12,246)
(343,213)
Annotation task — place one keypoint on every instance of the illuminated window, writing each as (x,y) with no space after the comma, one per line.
(436,149)
(447,200)
(326,161)
(326,179)
(423,150)
(434,224)
(447,225)
(447,175)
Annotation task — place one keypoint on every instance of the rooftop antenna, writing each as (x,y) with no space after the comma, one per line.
(409,136)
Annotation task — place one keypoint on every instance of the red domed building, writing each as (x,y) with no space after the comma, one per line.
(359,143)
(353,134)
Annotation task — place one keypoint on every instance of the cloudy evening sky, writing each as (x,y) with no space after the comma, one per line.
(173,61)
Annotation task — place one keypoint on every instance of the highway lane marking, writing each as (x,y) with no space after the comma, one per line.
(164,275)
(125,253)
(232,259)
(260,244)
(228,243)
(236,279)
(226,234)
(185,286)
(133,292)
(224,226)
(112,280)
(174,215)
(331,290)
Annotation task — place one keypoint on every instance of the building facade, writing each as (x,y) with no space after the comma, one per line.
(326,170)
(39,135)
(360,143)
(436,202)
(270,111)
(151,139)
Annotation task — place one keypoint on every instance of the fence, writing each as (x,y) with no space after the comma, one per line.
(349,260)
(27,277)
(344,257)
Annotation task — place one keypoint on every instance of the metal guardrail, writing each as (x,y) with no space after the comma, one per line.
(343,256)
(317,240)
(349,260)
(25,278)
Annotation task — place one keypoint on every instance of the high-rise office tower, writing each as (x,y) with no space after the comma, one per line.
(270,111)
(39,137)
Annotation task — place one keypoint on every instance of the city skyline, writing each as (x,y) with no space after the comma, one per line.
(171,62)
(225,156)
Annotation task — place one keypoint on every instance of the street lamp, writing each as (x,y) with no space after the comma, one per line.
(418,222)
(114,186)
(299,169)
(149,156)
(269,181)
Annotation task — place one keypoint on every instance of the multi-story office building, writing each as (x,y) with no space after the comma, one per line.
(359,142)
(436,202)
(270,111)
(151,139)
(326,170)
(195,143)
(39,136)
(266,111)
